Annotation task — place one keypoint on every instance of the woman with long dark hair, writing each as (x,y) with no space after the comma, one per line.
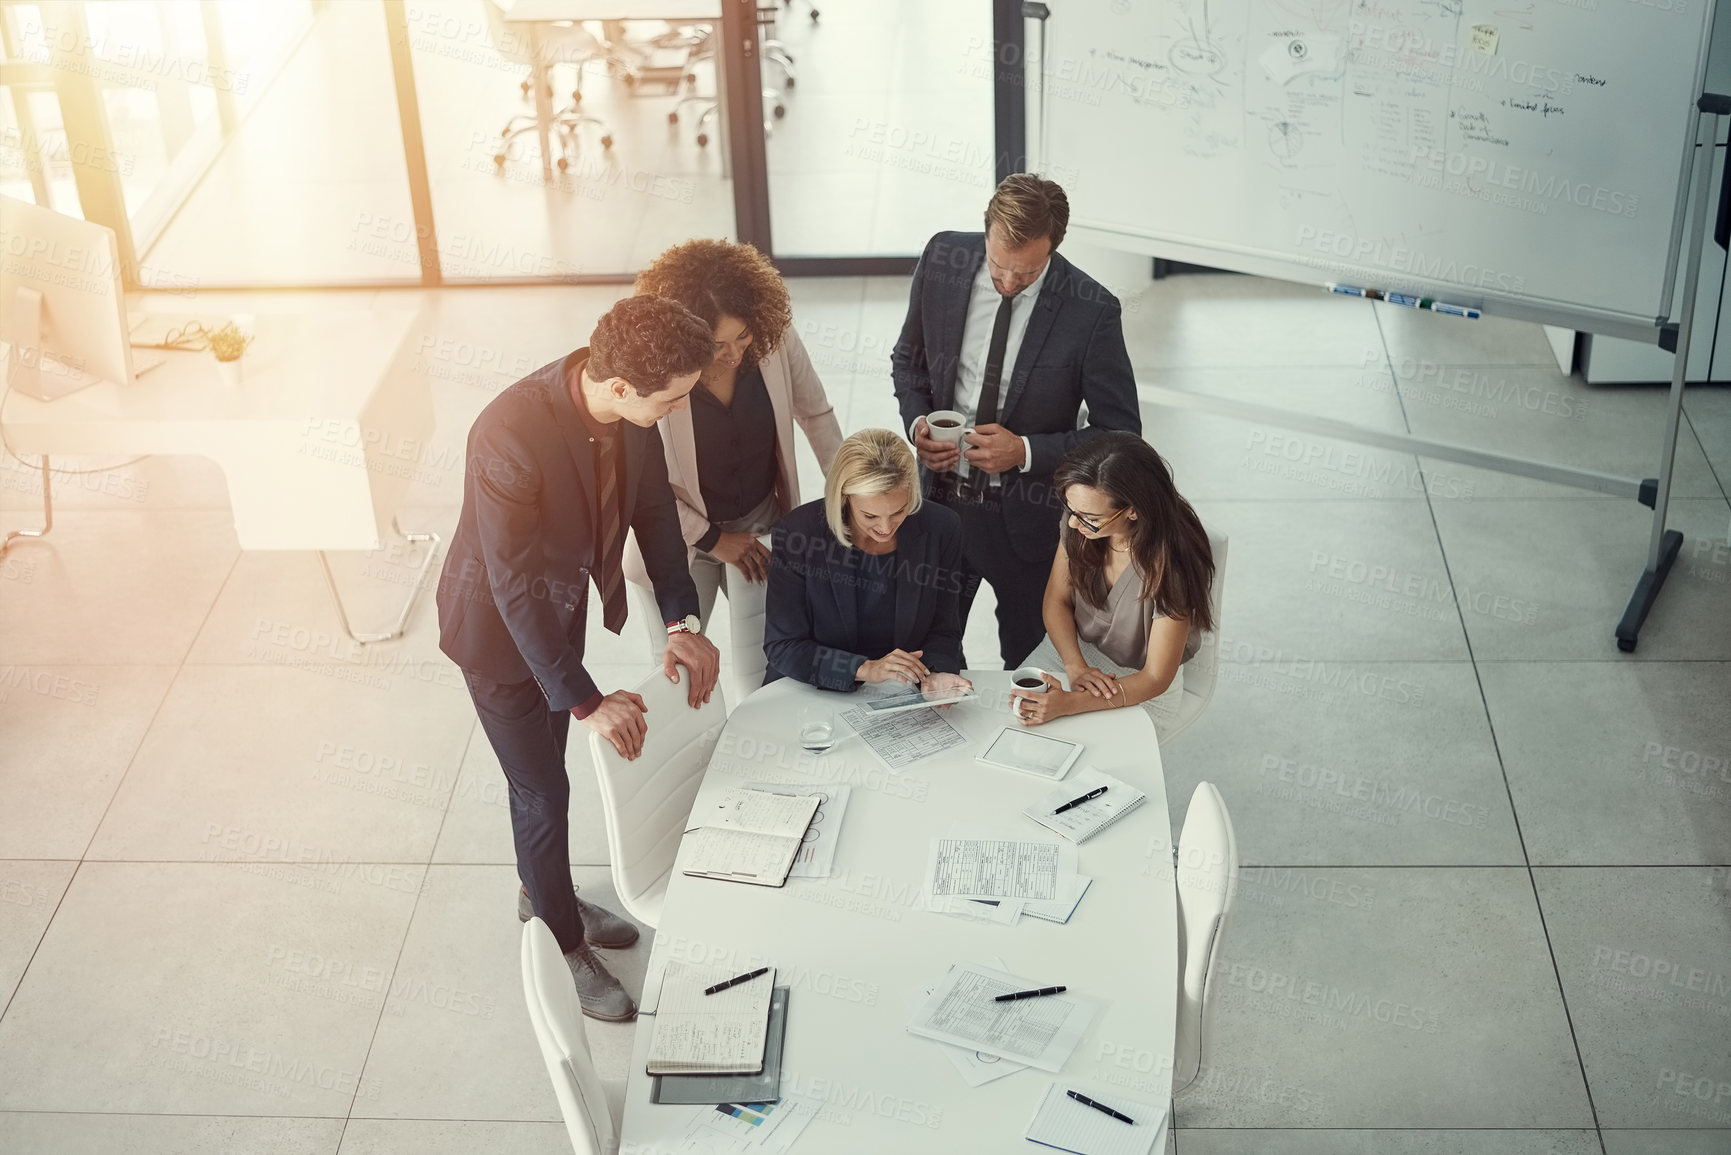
(1127,599)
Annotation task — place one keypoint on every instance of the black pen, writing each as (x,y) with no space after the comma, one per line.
(1014,995)
(733,982)
(1087,1102)
(1075,802)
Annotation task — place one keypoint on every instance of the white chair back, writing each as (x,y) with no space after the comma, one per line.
(557,1017)
(1207,885)
(646,802)
(1202,671)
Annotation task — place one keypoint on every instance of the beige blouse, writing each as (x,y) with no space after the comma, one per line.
(1120,627)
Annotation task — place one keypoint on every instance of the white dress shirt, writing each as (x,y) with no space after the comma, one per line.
(983,300)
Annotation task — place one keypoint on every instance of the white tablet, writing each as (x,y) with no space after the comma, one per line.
(913,699)
(1017,749)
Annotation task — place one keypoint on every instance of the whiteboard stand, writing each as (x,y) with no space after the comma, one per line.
(1667,543)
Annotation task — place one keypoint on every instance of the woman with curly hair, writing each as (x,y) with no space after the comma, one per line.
(1128,597)
(730,455)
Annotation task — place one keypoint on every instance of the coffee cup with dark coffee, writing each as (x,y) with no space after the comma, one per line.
(946,425)
(1027,680)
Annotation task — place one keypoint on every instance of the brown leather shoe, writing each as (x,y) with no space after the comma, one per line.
(601,927)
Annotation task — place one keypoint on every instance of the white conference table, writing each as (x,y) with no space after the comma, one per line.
(858,950)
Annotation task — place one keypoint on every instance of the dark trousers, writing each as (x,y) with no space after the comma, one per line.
(1019,584)
(529,739)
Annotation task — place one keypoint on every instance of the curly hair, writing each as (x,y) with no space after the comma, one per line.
(717,279)
(649,341)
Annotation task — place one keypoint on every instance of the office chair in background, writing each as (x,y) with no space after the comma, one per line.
(1207,879)
(559,44)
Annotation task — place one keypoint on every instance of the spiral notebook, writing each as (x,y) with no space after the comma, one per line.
(1067,1125)
(1083,822)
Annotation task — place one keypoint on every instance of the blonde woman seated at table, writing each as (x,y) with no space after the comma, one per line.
(865,585)
(730,454)
(1127,599)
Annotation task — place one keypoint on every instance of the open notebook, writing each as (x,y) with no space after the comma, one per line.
(748,836)
(720,1034)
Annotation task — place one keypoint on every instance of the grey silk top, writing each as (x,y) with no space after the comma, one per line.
(1120,628)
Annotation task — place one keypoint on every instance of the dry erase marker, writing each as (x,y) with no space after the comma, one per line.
(1350,291)
(733,982)
(1409,300)
(1015,995)
(1087,1102)
(1454,310)
(1075,802)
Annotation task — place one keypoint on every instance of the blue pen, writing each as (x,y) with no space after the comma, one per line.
(1454,310)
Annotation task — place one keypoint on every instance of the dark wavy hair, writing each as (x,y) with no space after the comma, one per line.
(1167,540)
(649,341)
(717,279)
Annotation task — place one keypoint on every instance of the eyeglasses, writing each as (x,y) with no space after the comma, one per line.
(1092,527)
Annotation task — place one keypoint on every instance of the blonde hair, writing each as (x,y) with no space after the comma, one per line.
(1026,207)
(871,462)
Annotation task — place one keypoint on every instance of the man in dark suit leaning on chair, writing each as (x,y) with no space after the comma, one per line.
(559,467)
(1005,331)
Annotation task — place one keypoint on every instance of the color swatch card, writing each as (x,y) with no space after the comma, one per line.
(1126,1127)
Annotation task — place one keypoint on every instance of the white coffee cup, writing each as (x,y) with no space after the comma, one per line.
(951,433)
(1037,685)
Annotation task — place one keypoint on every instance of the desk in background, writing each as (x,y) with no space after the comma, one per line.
(318,442)
(859,950)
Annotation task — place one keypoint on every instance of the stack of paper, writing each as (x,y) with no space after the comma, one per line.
(749,836)
(904,738)
(1068,1125)
(1081,823)
(720,1034)
(978,874)
(963,1011)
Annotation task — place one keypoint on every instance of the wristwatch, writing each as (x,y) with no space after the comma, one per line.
(689,624)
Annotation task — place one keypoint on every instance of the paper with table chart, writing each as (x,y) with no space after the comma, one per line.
(975,1068)
(967,863)
(816,857)
(1093,816)
(902,739)
(719,1034)
(1063,1123)
(1040,1032)
(748,836)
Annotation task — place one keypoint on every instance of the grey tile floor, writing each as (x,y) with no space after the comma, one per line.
(256,884)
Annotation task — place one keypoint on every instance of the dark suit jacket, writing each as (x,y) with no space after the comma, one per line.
(512,593)
(811,627)
(1073,352)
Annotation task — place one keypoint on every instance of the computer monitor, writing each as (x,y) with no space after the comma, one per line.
(62,303)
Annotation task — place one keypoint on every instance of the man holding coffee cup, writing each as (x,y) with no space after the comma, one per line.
(1004,342)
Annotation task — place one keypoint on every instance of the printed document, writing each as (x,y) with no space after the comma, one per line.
(748,836)
(965,867)
(1041,1032)
(902,739)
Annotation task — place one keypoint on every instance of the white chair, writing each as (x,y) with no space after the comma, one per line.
(1202,671)
(562,43)
(1207,878)
(592,1106)
(646,802)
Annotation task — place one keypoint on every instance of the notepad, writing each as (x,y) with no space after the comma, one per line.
(1063,1123)
(720,1034)
(1093,816)
(748,836)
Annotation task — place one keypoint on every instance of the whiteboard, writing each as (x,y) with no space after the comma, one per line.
(1526,157)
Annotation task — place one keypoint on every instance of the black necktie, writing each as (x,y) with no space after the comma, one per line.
(609,573)
(986,412)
